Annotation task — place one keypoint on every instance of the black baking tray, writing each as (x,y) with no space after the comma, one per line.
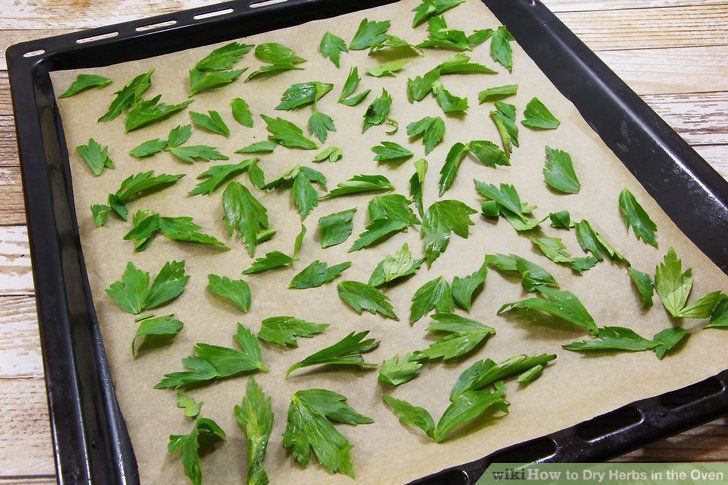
(90,439)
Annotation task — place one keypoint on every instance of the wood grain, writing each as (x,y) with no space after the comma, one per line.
(20,354)
(601,5)
(16,277)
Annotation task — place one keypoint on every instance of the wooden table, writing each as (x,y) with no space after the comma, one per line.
(671,52)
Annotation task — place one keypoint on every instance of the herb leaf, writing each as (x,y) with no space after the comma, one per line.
(411,415)
(205,431)
(464,288)
(319,125)
(435,294)
(286,134)
(391,268)
(636,218)
(235,291)
(497,93)
(192,408)
(350,85)
(558,303)
(336,228)
(211,122)
(486,372)
(430,8)
(317,274)
(644,285)
(591,241)
(245,214)
(154,332)
(331,47)
(255,416)
(450,168)
(667,340)
(96,157)
(389,151)
(500,47)
(241,112)
(303,94)
(377,231)
(346,351)
(130,94)
(532,275)
(363,297)
(360,183)
(272,260)
(258,147)
(613,338)
(151,111)
(398,370)
(284,330)
(559,172)
(467,407)
(133,294)
(378,111)
(205,80)
(369,34)
(504,118)
(84,82)
(463,336)
(310,415)
(223,58)
(554,249)
(215,176)
(146,224)
(450,104)
(431,129)
(538,116)
(273,52)
(441,219)
(416,184)
(388,68)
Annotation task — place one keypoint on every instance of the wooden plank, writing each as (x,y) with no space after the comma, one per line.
(11,197)
(671,70)
(20,354)
(25,440)
(716,156)
(16,277)
(702,25)
(700,118)
(599,5)
(28,480)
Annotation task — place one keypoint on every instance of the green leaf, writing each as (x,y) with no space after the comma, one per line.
(346,351)
(667,340)
(331,47)
(332,154)
(258,147)
(467,407)
(561,220)
(636,218)
(435,294)
(192,408)
(359,184)
(591,241)
(300,179)
(201,438)
(215,176)
(703,307)
(377,231)
(193,153)
(369,34)
(388,68)
(241,112)
(244,214)
(392,206)
(298,242)
(398,370)
(613,338)
(275,53)
(508,204)
(441,220)
(719,318)
(148,148)
(416,185)
(309,428)
(450,104)
(504,118)
(319,125)
(153,332)
(450,168)
(350,85)
(431,129)
(532,275)
(205,80)
(554,249)
(460,64)
(84,82)
(497,93)
(224,57)
(286,134)
(530,375)
(255,416)
(236,292)
(270,70)
(130,94)
(410,415)
(378,111)
(317,274)
(538,116)
(151,111)
(463,289)
(484,373)
(389,151)
(96,157)
(430,8)
(488,153)
(500,47)
(272,260)
(558,303)
(463,336)
(442,37)
(394,267)
(211,122)
(133,294)
(394,47)
(559,172)
(336,228)
(303,94)
(146,224)
(283,331)
(644,285)
(363,297)
(211,362)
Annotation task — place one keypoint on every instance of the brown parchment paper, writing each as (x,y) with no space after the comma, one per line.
(575,388)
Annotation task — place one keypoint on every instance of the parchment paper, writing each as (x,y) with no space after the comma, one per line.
(575,388)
